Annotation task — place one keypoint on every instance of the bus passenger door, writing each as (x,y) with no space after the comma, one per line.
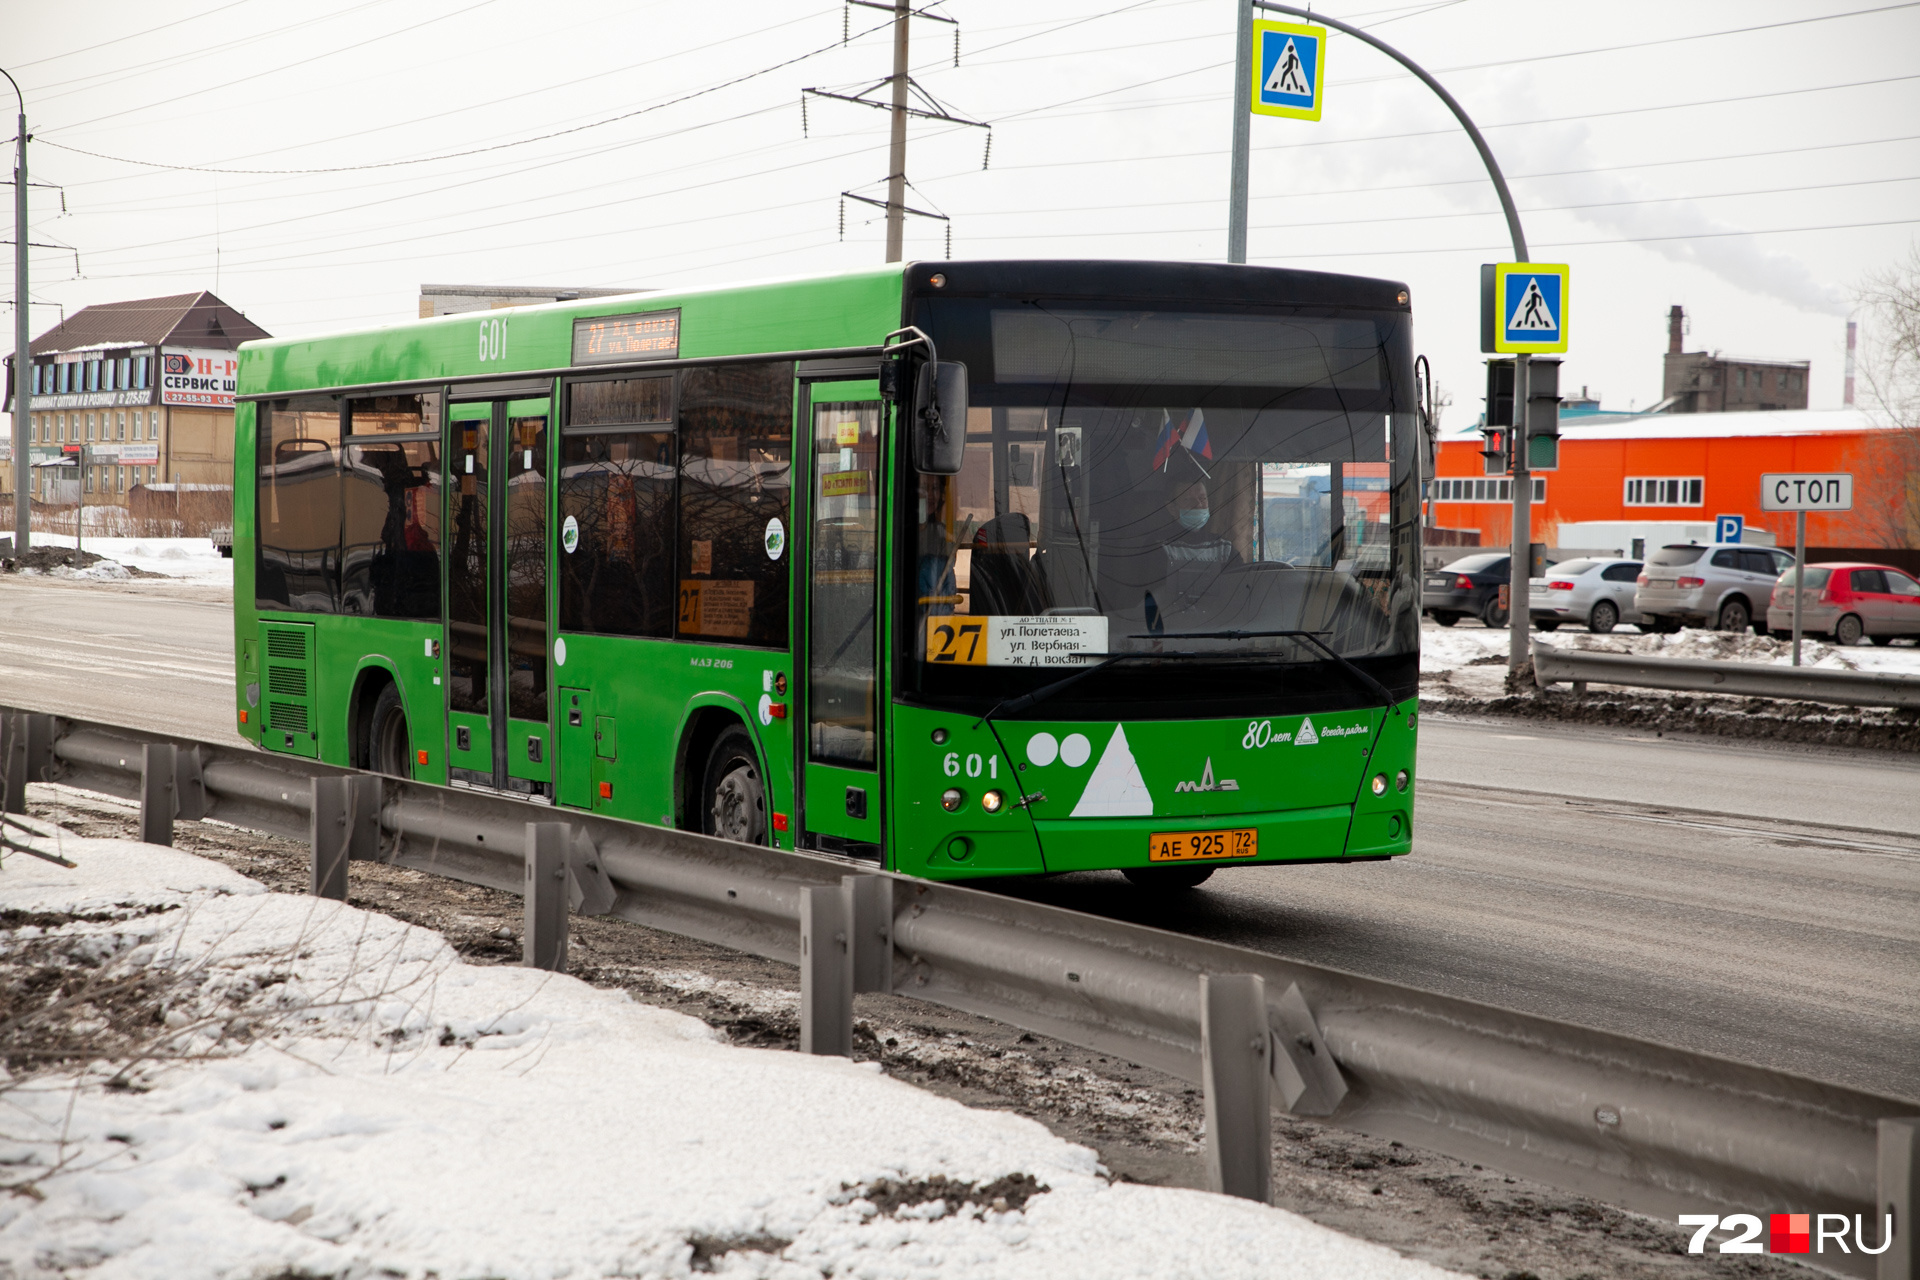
(840,697)
(496,638)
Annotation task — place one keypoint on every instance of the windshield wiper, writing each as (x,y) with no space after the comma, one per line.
(1311,637)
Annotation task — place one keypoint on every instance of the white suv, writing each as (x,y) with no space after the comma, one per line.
(1723,584)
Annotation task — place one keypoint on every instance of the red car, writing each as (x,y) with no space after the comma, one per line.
(1848,601)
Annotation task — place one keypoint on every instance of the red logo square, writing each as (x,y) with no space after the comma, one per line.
(1791,1233)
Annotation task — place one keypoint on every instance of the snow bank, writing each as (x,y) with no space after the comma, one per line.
(1446,649)
(190,558)
(356,1100)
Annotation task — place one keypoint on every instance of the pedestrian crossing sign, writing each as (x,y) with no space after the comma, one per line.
(1523,308)
(1288,69)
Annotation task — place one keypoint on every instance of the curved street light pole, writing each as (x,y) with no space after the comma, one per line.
(1519,621)
(22,339)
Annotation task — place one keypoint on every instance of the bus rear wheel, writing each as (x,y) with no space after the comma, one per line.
(388,746)
(733,796)
(1168,877)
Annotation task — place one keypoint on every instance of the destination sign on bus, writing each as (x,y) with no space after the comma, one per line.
(991,640)
(651,335)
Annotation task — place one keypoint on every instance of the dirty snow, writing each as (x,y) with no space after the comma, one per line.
(193,559)
(348,1097)
(1470,660)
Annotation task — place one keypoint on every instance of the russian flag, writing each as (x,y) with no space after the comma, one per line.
(1164,449)
(1195,436)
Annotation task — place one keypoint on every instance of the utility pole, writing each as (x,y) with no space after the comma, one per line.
(1237,185)
(904,89)
(897,149)
(22,339)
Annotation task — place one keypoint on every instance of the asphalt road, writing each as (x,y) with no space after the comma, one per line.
(1752,900)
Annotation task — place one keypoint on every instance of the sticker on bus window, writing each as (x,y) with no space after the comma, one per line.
(846,484)
(570,534)
(715,608)
(987,640)
(776,538)
(846,434)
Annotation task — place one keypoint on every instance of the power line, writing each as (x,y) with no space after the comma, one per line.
(274,71)
(1613,240)
(473,151)
(74,53)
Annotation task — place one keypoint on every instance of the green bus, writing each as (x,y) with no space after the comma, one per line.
(958,569)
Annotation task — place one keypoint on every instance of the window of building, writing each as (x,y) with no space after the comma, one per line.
(1491,490)
(120,478)
(1664,491)
(119,426)
(1740,379)
(62,373)
(125,378)
(140,372)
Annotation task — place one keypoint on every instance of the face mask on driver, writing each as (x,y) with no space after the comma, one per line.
(1194,519)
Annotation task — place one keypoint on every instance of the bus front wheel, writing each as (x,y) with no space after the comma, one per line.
(388,745)
(733,797)
(1188,877)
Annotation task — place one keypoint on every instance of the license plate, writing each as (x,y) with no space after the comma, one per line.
(1190,846)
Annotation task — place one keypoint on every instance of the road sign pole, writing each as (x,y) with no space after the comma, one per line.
(1237,185)
(1520,565)
(1799,575)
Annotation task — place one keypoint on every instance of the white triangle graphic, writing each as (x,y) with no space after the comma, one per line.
(1206,776)
(1288,74)
(1532,313)
(1116,789)
(1306,737)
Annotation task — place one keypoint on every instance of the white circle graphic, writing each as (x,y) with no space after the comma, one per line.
(569,534)
(1075,750)
(560,652)
(776,538)
(1042,748)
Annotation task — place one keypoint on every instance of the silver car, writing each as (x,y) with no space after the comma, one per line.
(1721,584)
(1598,593)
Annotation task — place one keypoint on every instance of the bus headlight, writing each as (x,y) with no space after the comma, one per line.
(1379,784)
(1400,780)
(992,801)
(952,798)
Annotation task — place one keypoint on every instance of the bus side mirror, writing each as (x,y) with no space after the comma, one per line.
(940,419)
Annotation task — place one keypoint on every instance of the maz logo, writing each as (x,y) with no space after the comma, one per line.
(1206,782)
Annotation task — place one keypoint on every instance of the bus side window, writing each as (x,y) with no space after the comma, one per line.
(616,532)
(390,498)
(297,509)
(736,440)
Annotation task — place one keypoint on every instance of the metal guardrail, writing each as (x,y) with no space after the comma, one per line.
(1742,679)
(1646,1126)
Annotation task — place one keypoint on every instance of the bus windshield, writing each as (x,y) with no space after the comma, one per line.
(1190,485)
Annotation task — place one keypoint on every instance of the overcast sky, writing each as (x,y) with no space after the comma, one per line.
(1739,158)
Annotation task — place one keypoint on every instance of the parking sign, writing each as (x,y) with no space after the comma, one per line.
(1728,528)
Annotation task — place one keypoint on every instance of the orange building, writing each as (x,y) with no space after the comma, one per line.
(1662,469)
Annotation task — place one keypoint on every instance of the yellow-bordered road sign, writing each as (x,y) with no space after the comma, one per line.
(1289,69)
(1523,307)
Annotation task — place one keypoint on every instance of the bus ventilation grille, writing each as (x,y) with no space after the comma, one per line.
(288,682)
(290,716)
(290,644)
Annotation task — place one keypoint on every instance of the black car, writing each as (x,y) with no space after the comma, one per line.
(1467,588)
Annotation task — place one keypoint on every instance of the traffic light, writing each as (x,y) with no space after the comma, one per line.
(1496,430)
(1543,413)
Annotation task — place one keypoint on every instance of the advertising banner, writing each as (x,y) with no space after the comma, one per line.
(194,376)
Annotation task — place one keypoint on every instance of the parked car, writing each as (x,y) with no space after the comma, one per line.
(1467,588)
(1845,602)
(1720,584)
(1596,592)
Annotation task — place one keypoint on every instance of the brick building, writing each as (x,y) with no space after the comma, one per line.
(1703,382)
(146,386)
